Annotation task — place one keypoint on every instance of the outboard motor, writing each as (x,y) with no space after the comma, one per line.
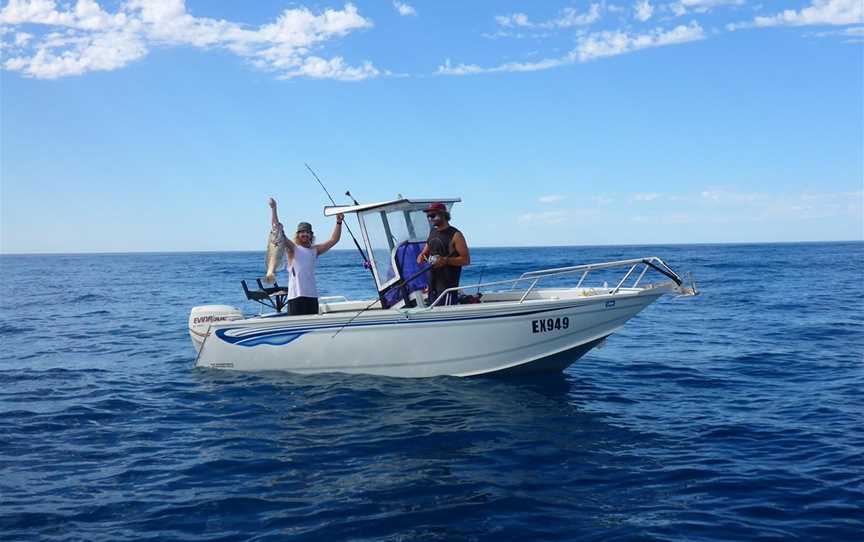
(201,318)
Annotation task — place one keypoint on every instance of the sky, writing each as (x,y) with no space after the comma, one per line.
(164,125)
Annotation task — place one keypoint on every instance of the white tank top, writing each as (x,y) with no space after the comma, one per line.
(301,273)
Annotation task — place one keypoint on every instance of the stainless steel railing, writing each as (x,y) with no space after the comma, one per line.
(536,277)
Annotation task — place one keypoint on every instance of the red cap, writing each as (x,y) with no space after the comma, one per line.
(436,207)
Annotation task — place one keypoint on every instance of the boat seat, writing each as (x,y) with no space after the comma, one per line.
(275,297)
(404,261)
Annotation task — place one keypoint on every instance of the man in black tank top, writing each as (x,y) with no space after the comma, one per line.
(447,251)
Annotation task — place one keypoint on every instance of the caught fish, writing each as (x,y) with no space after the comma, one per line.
(276,247)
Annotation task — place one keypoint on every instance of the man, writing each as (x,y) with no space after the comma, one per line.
(302,258)
(447,251)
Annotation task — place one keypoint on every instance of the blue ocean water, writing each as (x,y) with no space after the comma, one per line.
(735,415)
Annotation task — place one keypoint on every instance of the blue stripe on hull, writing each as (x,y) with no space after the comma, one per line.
(246,336)
(276,337)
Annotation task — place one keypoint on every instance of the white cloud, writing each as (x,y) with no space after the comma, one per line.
(461,69)
(733,196)
(547,217)
(87,15)
(731,205)
(820,12)
(708,4)
(643,10)
(334,68)
(61,56)
(670,219)
(682,7)
(516,19)
(21,38)
(550,199)
(809,205)
(404,9)
(567,18)
(611,43)
(854,33)
(589,47)
(713,205)
(468,69)
(87,38)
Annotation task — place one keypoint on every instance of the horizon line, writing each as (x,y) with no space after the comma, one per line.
(132,252)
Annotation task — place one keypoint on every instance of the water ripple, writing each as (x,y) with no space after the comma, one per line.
(735,415)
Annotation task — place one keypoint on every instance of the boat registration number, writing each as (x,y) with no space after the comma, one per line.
(549,324)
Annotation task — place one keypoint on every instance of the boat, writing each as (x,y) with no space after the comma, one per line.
(539,321)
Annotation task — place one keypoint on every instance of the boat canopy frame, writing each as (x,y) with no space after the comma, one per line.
(400,204)
(371,215)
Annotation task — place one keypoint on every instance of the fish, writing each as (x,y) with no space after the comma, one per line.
(277,244)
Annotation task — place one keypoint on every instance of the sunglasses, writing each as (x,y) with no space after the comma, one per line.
(431,216)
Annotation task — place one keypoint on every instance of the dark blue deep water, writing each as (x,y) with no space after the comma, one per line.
(735,415)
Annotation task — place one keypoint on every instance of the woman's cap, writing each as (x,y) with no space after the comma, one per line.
(304,226)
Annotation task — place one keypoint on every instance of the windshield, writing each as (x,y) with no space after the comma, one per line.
(388,230)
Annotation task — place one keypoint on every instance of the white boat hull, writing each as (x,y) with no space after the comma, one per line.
(517,325)
(464,340)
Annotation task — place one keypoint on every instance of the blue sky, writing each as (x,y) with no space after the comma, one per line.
(161,125)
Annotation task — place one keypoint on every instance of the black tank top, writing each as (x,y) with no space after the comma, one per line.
(439,245)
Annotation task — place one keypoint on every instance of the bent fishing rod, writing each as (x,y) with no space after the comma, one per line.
(351,233)
(366,262)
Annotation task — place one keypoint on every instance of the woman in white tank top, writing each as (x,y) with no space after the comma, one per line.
(302,256)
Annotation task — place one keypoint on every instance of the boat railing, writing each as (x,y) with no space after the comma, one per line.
(536,277)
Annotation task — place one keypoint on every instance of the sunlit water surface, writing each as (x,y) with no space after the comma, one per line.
(735,415)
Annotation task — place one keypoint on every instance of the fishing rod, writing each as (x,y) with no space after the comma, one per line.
(400,284)
(366,263)
(356,244)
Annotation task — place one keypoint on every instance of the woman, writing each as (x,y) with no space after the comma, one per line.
(302,257)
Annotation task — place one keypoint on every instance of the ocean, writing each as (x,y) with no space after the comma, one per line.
(734,415)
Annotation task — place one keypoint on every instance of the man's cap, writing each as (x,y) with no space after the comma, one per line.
(304,226)
(436,207)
